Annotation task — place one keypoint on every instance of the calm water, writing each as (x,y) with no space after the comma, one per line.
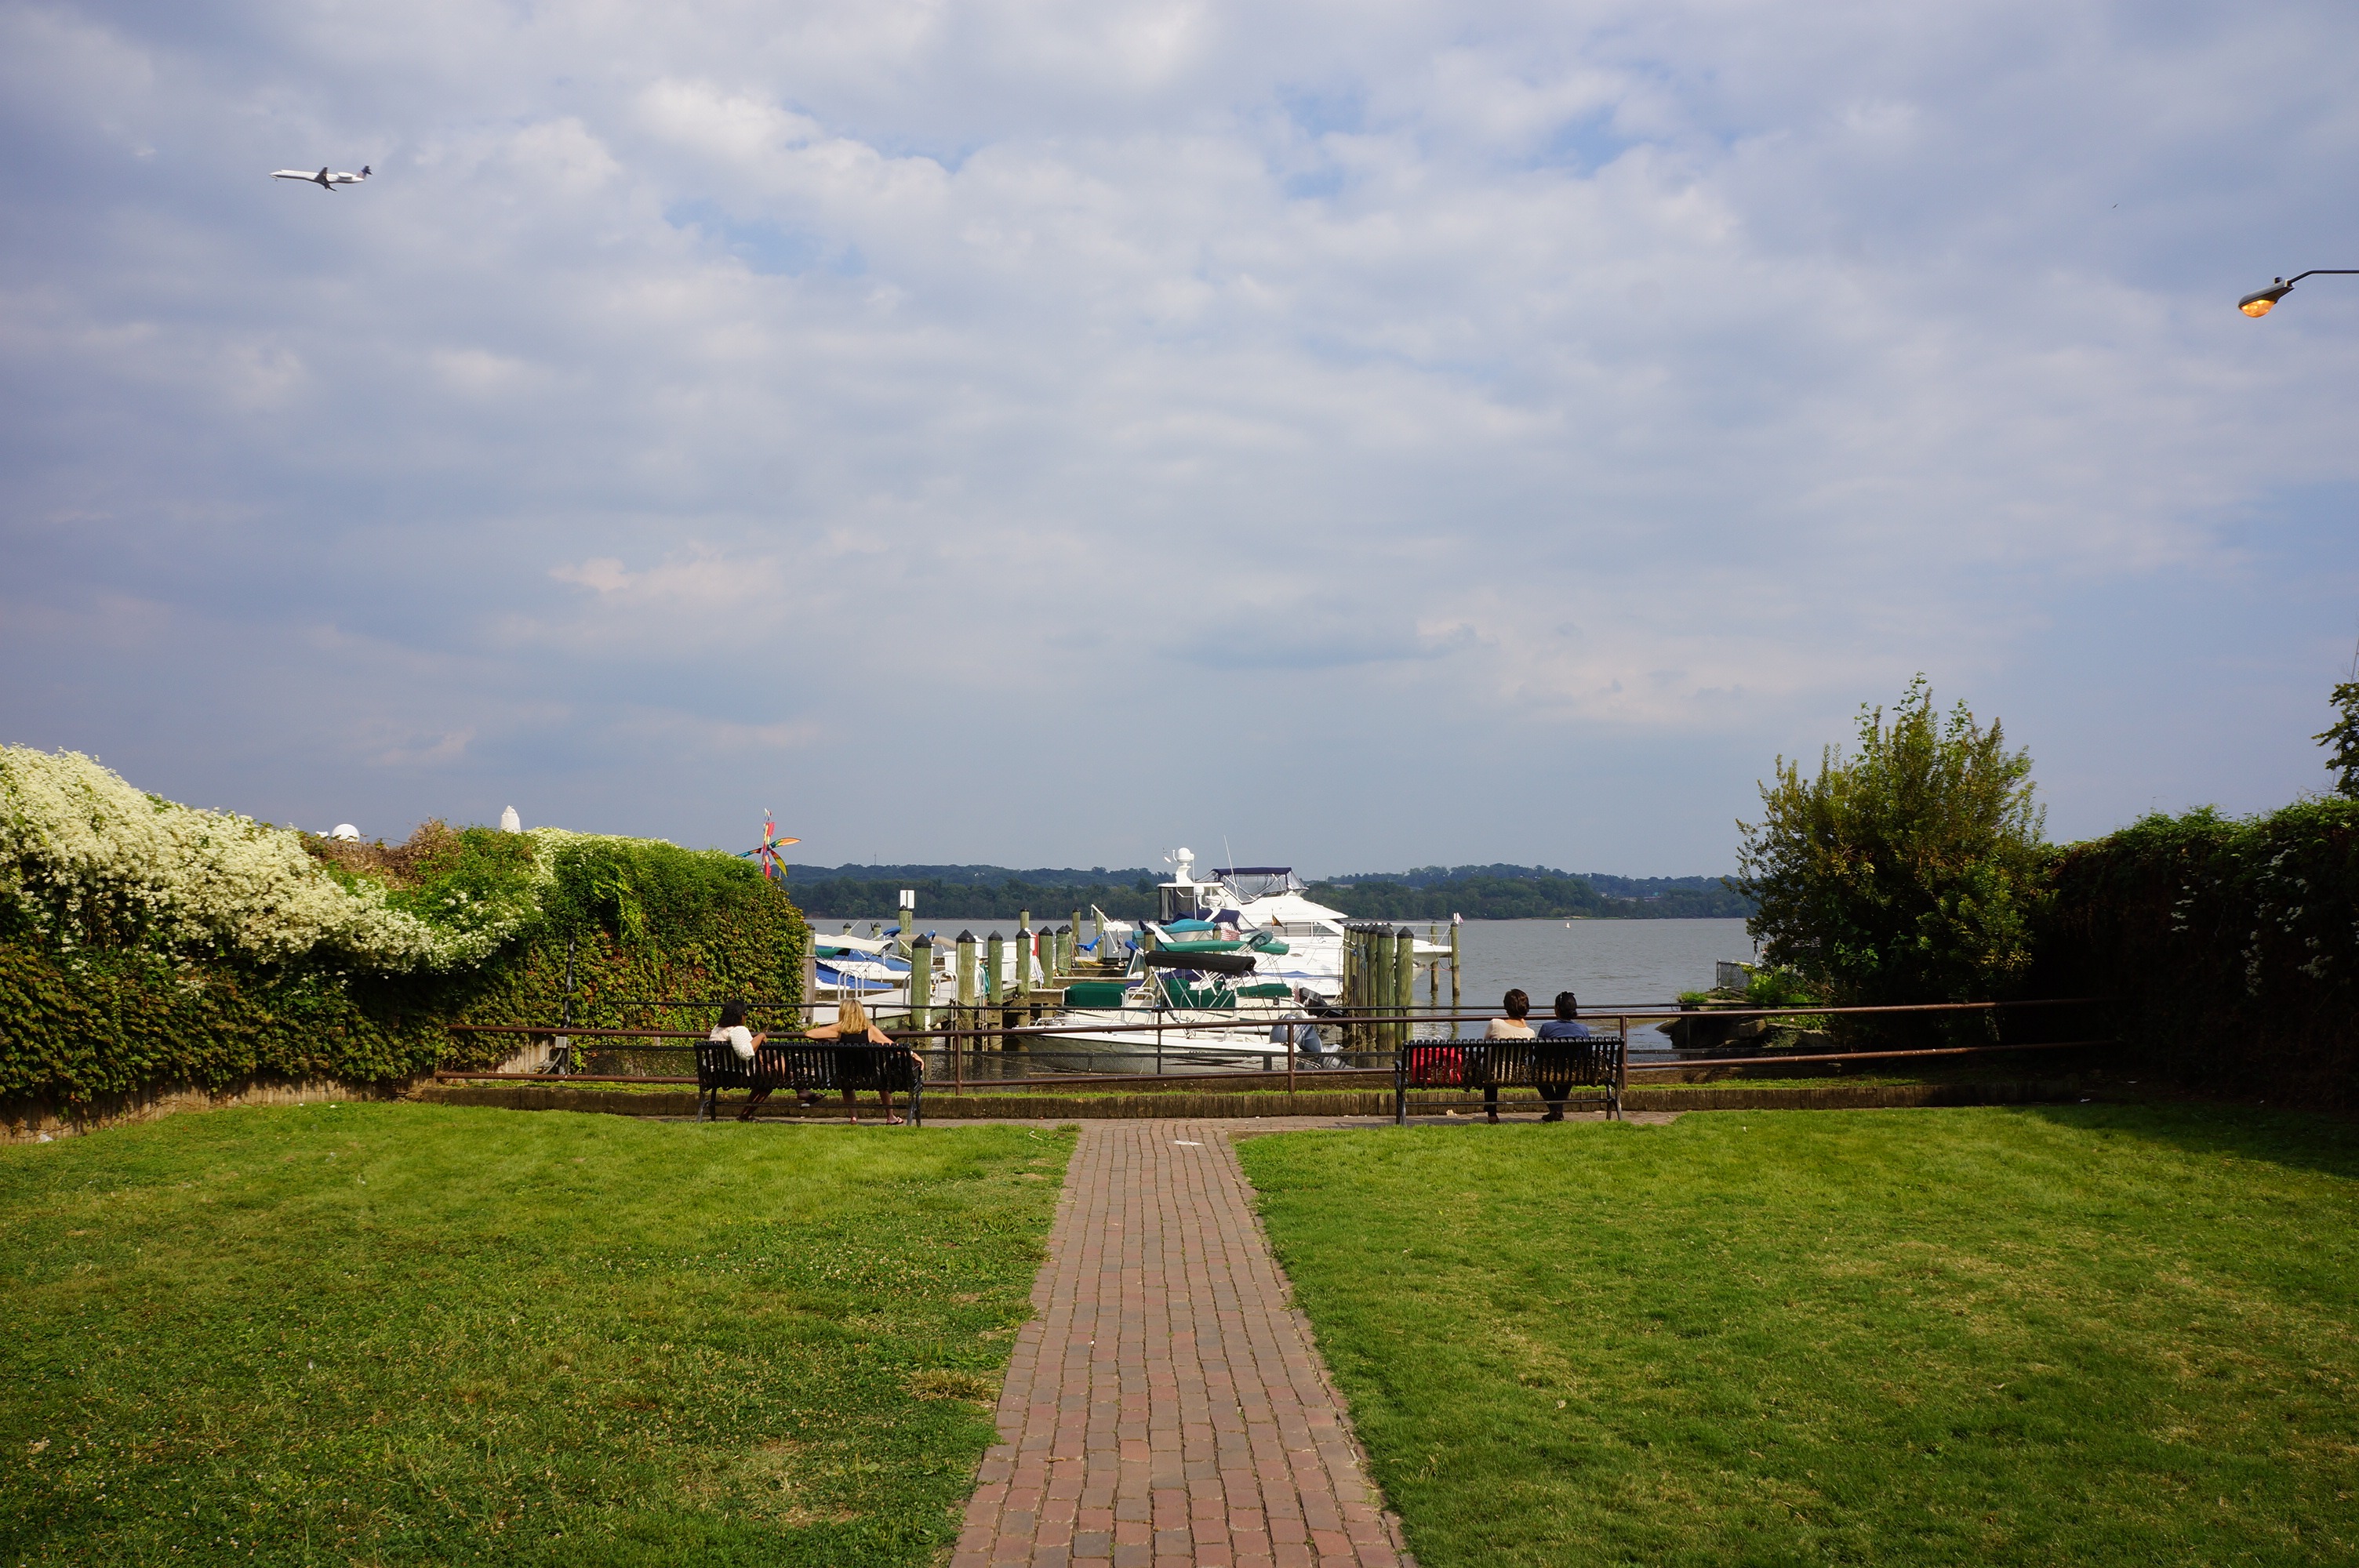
(1606,963)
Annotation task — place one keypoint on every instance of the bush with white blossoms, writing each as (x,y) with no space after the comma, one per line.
(85,858)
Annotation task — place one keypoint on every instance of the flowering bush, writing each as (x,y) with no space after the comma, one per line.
(87,860)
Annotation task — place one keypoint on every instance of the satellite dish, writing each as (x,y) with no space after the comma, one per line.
(346,830)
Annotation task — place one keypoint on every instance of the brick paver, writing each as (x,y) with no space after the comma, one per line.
(1167,1405)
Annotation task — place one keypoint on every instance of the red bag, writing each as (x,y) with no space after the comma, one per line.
(1436,1064)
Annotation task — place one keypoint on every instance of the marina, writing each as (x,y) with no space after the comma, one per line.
(1240,970)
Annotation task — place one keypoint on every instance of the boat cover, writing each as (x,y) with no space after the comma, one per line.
(1210,962)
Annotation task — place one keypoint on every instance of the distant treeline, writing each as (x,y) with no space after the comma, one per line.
(971,892)
(1528,892)
(1429,892)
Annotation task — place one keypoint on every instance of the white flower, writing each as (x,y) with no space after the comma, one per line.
(86,856)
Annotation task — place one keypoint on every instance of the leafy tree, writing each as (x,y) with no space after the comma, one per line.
(1909,872)
(2343,736)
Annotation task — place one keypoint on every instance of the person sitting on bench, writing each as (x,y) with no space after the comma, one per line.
(852,1022)
(1512,1027)
(1565,1025)
(733,1030)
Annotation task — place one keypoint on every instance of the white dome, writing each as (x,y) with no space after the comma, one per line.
(345,830)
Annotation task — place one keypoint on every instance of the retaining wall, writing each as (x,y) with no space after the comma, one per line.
(37,1121)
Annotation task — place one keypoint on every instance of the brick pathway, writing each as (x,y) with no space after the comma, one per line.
(1167,1405)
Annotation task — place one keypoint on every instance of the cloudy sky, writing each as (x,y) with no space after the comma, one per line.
(1366,435)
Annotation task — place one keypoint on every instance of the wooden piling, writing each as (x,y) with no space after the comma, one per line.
(966,1009)
(1350,984)
(810,977)
(1404,984)
(1454,975)
(995,961)
(1023,956)
(921,980)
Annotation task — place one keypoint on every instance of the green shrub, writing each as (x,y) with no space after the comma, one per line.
(1774,986)
(1910,871)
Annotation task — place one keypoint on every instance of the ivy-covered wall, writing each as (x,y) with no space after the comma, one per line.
(2230,945)
(145,945)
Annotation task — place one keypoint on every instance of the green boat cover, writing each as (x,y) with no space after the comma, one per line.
(1207,946)
(1095,994)
(1267,988)
(1179,993)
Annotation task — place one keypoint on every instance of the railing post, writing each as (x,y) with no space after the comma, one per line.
(1620,1064)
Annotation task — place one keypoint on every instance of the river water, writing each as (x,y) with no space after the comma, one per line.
(1606,963)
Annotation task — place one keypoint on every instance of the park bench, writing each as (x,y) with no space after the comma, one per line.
(1592,1062)
(808,1066)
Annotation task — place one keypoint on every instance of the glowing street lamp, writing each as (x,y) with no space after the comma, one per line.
(2261,301)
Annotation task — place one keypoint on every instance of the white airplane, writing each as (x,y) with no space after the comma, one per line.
(324,180)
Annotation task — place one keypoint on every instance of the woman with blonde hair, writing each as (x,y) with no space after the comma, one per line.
(852,1023)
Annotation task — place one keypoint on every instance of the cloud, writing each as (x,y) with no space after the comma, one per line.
(748,383)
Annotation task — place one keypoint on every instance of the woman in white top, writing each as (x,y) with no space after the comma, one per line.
(1512,1027)
(732,1031)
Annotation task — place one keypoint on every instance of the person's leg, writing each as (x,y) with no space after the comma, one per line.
(1555,1095)
(1490,1102)
(752,1103)
(886,1096)
(851,1106)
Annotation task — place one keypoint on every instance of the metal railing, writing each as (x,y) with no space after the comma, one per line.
(968,1054)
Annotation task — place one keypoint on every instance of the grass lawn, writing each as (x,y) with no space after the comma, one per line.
(2084,1334)
(415,1334)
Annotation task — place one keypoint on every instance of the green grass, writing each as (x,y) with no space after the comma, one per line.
(2084,1334)
(411,1334)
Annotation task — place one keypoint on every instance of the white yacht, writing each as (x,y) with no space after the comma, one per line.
(1239,966)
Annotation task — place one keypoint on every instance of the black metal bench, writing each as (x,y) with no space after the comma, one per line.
(1583,1062)
(808,1066)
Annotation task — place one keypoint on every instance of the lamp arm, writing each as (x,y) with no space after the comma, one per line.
(2323,272)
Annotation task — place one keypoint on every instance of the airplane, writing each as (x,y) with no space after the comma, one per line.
(324,180)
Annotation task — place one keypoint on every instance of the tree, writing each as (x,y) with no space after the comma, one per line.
(2343,736)
(1910,871)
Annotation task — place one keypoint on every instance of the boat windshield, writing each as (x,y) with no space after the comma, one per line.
(1250,882)
(1183,900)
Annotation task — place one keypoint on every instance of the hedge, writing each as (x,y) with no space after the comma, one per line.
(641,919)
(2230,946)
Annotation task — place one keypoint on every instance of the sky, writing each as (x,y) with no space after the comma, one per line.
(1356,436)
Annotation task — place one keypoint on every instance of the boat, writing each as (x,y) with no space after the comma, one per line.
(1236,968)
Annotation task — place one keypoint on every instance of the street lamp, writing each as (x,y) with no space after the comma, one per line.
(2261,301)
